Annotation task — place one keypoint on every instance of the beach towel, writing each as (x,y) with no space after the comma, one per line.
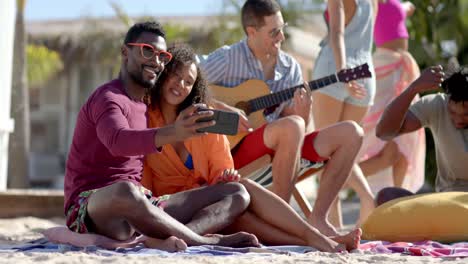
(61,239)
(91,243)
(423,248)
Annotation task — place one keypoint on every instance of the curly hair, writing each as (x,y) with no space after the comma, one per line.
(182,54)
(456,86)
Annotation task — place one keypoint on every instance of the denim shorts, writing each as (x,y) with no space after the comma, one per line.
(325,66)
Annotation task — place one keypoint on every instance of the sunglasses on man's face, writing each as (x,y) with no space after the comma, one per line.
(275,32)
(148,52)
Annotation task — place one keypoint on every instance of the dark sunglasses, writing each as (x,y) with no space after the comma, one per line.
(148,52)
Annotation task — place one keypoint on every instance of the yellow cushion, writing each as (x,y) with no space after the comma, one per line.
(436,216)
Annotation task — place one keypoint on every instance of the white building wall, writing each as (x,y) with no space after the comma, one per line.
(7,22)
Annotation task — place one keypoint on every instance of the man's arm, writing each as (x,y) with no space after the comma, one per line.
(184,127)
(113,130)
(301,106)
(115,133)
(396,119)
(301,103)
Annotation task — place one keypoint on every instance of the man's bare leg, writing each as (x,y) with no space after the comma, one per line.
(285,137)
(208,209)
(118,210)
(341,142)
(276,223)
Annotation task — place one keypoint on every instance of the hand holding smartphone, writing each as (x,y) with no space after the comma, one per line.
(226,122)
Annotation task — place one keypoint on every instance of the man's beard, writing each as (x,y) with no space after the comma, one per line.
(147,85)
(138,78)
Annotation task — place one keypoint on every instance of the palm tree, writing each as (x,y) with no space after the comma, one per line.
(19,146)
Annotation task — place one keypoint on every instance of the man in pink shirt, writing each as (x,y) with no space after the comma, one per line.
(103,193)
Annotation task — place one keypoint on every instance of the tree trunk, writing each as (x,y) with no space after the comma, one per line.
(19,146)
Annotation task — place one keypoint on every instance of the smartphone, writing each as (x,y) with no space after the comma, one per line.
(226,122)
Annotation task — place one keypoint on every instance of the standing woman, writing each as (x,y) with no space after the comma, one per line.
(400,162)
(348,44)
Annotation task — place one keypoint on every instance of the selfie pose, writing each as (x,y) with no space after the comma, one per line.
(103,194)
(202,161)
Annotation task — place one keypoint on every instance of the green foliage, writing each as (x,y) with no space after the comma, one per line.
(42,64)
(177,33)
(434,23)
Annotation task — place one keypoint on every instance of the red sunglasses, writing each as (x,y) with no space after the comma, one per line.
(148,52)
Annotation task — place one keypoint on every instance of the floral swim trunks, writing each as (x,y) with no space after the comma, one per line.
(76,214)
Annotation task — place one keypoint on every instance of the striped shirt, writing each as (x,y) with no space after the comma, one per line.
(232,65)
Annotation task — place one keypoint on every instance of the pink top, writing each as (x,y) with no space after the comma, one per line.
(390,22)
(111,136)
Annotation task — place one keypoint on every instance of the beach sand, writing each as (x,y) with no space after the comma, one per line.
(19,230)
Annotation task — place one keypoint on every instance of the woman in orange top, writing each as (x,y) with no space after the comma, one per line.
(206,160)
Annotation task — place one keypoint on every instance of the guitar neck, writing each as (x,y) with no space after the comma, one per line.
(284,95)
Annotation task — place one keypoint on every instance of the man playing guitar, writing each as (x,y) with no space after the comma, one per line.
(287,134)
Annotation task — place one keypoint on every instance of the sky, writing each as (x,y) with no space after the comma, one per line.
(65,9)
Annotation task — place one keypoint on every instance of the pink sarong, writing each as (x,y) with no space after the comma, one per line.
(394,72)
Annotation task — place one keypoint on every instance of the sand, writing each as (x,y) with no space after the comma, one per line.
(20,230)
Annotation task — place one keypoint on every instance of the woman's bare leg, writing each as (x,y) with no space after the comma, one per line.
(357,180)
(359,184)
(400,167)
(266,208)
(382,160)
(265,232)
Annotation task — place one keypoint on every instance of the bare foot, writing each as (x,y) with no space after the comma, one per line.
(171,244)
(239,239)
(322,225)
(350,240)
(326,244)
(321,242)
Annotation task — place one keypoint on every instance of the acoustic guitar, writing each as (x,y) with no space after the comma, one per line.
(254,95)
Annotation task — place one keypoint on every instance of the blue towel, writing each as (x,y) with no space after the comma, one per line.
(43,245)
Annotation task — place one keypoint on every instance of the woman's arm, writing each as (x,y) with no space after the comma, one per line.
(220,162)
(336,32)
(409,8)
